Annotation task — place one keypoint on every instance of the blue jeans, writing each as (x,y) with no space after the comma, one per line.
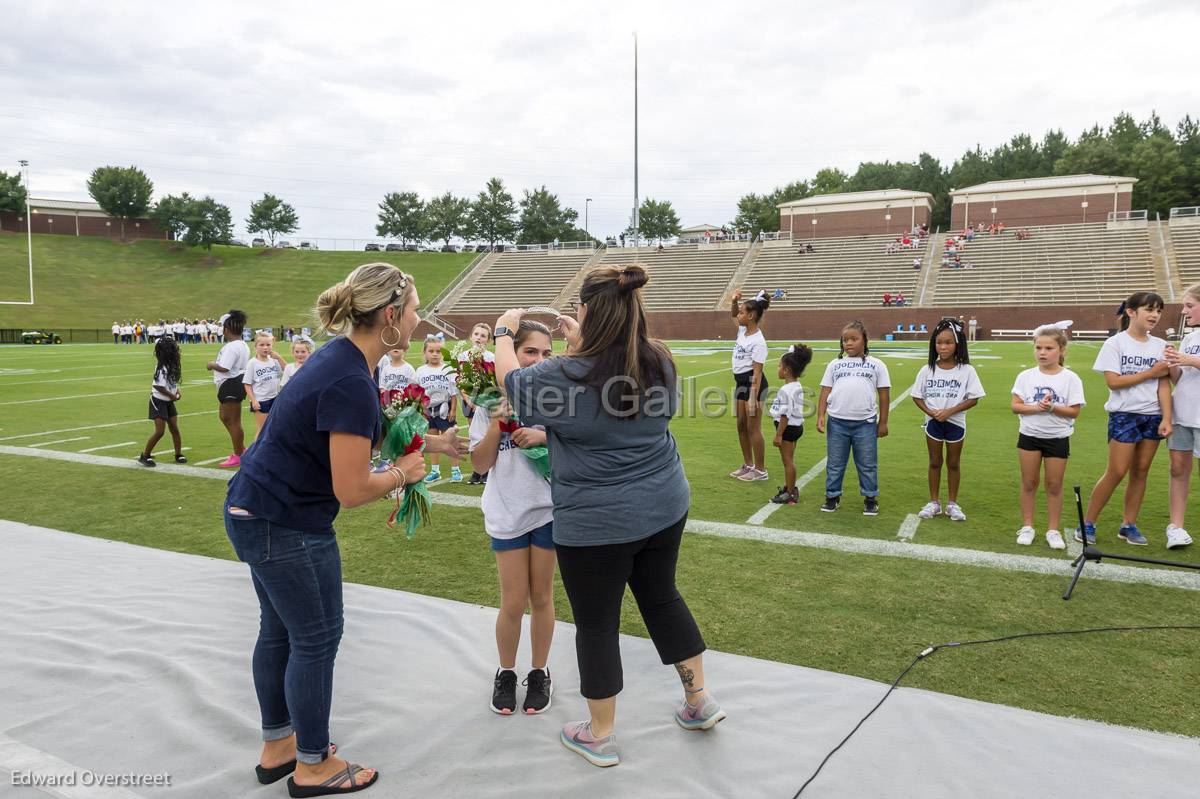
(842,436)
(297,575)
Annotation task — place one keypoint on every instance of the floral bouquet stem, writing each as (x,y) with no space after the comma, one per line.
(404,430)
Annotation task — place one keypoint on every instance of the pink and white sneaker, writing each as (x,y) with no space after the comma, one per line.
(738,473)
(232,462)
(753,475)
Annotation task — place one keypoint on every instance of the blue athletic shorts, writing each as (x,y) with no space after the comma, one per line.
(439,425)
(542,538)
(1130,428)
(264,406)
(944,431)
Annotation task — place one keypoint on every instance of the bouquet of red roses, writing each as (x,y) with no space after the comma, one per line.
(404,427)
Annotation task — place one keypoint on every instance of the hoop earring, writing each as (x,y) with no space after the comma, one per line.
(390,344)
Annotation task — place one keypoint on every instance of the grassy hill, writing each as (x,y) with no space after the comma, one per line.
(90,282)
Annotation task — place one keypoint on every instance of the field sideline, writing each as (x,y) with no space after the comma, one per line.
(814,605)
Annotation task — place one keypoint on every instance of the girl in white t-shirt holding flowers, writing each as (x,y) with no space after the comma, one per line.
(1184,441)
(750,384)
(787,411)
(1048,398)
(945,389)
(518,517)
(854,394)
(1139,412)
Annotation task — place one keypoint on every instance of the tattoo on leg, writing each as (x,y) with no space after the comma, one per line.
(687,676)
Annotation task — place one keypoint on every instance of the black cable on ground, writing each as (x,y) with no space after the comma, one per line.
(954,644)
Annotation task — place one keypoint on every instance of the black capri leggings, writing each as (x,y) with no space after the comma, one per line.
(595,579)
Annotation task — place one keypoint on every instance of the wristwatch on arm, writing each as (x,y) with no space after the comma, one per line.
(501,330)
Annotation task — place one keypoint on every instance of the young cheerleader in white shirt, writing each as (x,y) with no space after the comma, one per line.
(263,377)
(1139,412)
(787,411)
(749,356)
(1184,441)
(302,347)
(1048,398)
(480,334)
(854,393)
(441,385)
(945,389)
(518,515)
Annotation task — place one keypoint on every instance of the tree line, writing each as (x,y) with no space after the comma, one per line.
(1165,162)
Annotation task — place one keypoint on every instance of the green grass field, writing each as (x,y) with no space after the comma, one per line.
(858,614)
(90,282)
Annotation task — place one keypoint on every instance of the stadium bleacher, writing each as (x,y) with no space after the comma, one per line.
(684,277)
(1185,239)
(842,272)
(1059,264)
(534,277)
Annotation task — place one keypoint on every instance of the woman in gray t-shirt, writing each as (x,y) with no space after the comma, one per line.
(620,494)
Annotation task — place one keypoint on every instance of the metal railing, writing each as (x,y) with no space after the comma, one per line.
(1128,216)
(1185,212)
(554,246)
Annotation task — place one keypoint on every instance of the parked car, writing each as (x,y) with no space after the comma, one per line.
(393,247)
(308,245)
(258,243)
(40,337)
(412,248)
(372,247)
(284,245)
(449,248)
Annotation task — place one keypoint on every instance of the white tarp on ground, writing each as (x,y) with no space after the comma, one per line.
(118,659)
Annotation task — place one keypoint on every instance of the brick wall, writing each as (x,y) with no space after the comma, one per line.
(64,224)
(1045,211)
(851,223)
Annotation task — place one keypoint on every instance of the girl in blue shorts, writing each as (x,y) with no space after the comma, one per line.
(518,515)
(1139,412)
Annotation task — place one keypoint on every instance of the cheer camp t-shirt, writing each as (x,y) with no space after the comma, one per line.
(1066,389)
(439,383)
(789,402)
(1185,402)
(748,351)
(516,498)
(944,388)
(1125,355)
(854,385)
(396,377)
(264,378)
(233,356)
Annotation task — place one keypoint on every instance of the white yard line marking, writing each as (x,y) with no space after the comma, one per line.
(75,397)
(70,380)
(1034,564)
(706,374)
(908,528)
(110,446)
(166,451)
(764,513)
(62,779)
(60,441)
(92,427)
(211,460)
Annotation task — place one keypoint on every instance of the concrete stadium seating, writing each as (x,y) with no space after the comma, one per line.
(1186,241)
(1069,264)
(685,277)
(519,279)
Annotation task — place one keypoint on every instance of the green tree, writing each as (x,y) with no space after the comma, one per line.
(543,219)
(757,213)
(447,216)
(208,223)
(493,214)
(1053,147)
(829,181)
(1187,139)
(121,192)
(272,216)
(658,220)
(401,216)
(171,214)
(12,193)
(1162,175)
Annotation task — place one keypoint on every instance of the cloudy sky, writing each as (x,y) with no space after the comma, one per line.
(331,105)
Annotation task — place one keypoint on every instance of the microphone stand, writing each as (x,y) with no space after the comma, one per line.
(1091,553)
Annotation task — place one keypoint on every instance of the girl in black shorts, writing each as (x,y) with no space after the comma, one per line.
(227,371)
(750,384)
(164,393)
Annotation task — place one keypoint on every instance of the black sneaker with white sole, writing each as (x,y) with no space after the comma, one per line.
(146,460)
(181,459)
(831,504)
(504,692)
(870,506)
(538,691)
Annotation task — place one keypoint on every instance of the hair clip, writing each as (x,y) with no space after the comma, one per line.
(760,296)
(791,348)
(1121,310)
(439,336)
(1063,326)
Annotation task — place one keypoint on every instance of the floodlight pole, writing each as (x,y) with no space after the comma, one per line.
(586,203)
(28,226)
(636,220)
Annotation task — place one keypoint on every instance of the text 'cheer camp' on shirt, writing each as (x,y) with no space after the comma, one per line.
(439,383)
(1185,402)
(854,385)
(944,388)
(516,498)
(748,351)
(233,356)
(1064,387)
(1125,355)
(789,402)
(263,377)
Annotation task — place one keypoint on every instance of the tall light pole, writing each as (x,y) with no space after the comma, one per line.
(28,226)
(636,220)
(586,230)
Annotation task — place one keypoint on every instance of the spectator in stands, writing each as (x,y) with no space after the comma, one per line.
(979,227)
(887,298)
(992,229)
(924,229)
(1000,227)
(916,263)
(660,247)
(969,234)
(899,301)
(809,248)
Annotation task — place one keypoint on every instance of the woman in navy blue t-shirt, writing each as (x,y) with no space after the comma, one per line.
(309,461)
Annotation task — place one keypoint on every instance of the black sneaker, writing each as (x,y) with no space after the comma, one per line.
(146,460)
(504,692)
(476,479)
(538,692)
(180,459)
(831,504)
(784,497)
(870,506)
(483,478)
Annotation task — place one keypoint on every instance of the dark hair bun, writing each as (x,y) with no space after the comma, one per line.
(632,277)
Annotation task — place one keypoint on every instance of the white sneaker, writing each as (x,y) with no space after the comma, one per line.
(1026,535)
(1177,537)
(955,512)
(1054,539)
(932,508)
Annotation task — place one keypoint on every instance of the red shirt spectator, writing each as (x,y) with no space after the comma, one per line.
(887,298)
